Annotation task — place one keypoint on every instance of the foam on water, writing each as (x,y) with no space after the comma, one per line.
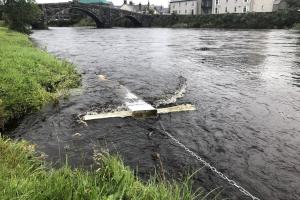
(179,93)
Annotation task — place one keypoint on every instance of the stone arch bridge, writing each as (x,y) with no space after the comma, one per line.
(103,15)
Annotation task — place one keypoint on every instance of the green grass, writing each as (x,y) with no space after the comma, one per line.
(29,77)
(24,176)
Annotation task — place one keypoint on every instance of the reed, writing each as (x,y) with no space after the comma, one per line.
(25,176)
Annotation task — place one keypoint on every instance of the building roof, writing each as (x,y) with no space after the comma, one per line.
(277,2)
(161,9)
(145,8)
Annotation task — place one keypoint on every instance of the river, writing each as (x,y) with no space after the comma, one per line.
(245,85)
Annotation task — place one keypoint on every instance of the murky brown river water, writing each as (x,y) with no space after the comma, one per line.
(244,83)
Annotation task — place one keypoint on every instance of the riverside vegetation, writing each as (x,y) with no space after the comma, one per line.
(30,78)
(24,176)
(277,20)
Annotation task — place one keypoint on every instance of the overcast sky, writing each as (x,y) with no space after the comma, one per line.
(119,2)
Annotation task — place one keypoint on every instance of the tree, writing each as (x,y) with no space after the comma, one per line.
(20,14)
(293,4)
(1,9)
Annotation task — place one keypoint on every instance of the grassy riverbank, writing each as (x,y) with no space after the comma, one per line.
(29,77)
(24,176)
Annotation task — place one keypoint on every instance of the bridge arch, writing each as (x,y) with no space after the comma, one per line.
(136,22)
(132,19)
(99,22)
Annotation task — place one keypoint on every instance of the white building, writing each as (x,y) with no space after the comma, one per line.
(128,7)
(262,5)
(241,6)
(146,9)
(185,7)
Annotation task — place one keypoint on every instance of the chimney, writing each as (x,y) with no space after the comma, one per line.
(130,3)
(140,6)
(125,1)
